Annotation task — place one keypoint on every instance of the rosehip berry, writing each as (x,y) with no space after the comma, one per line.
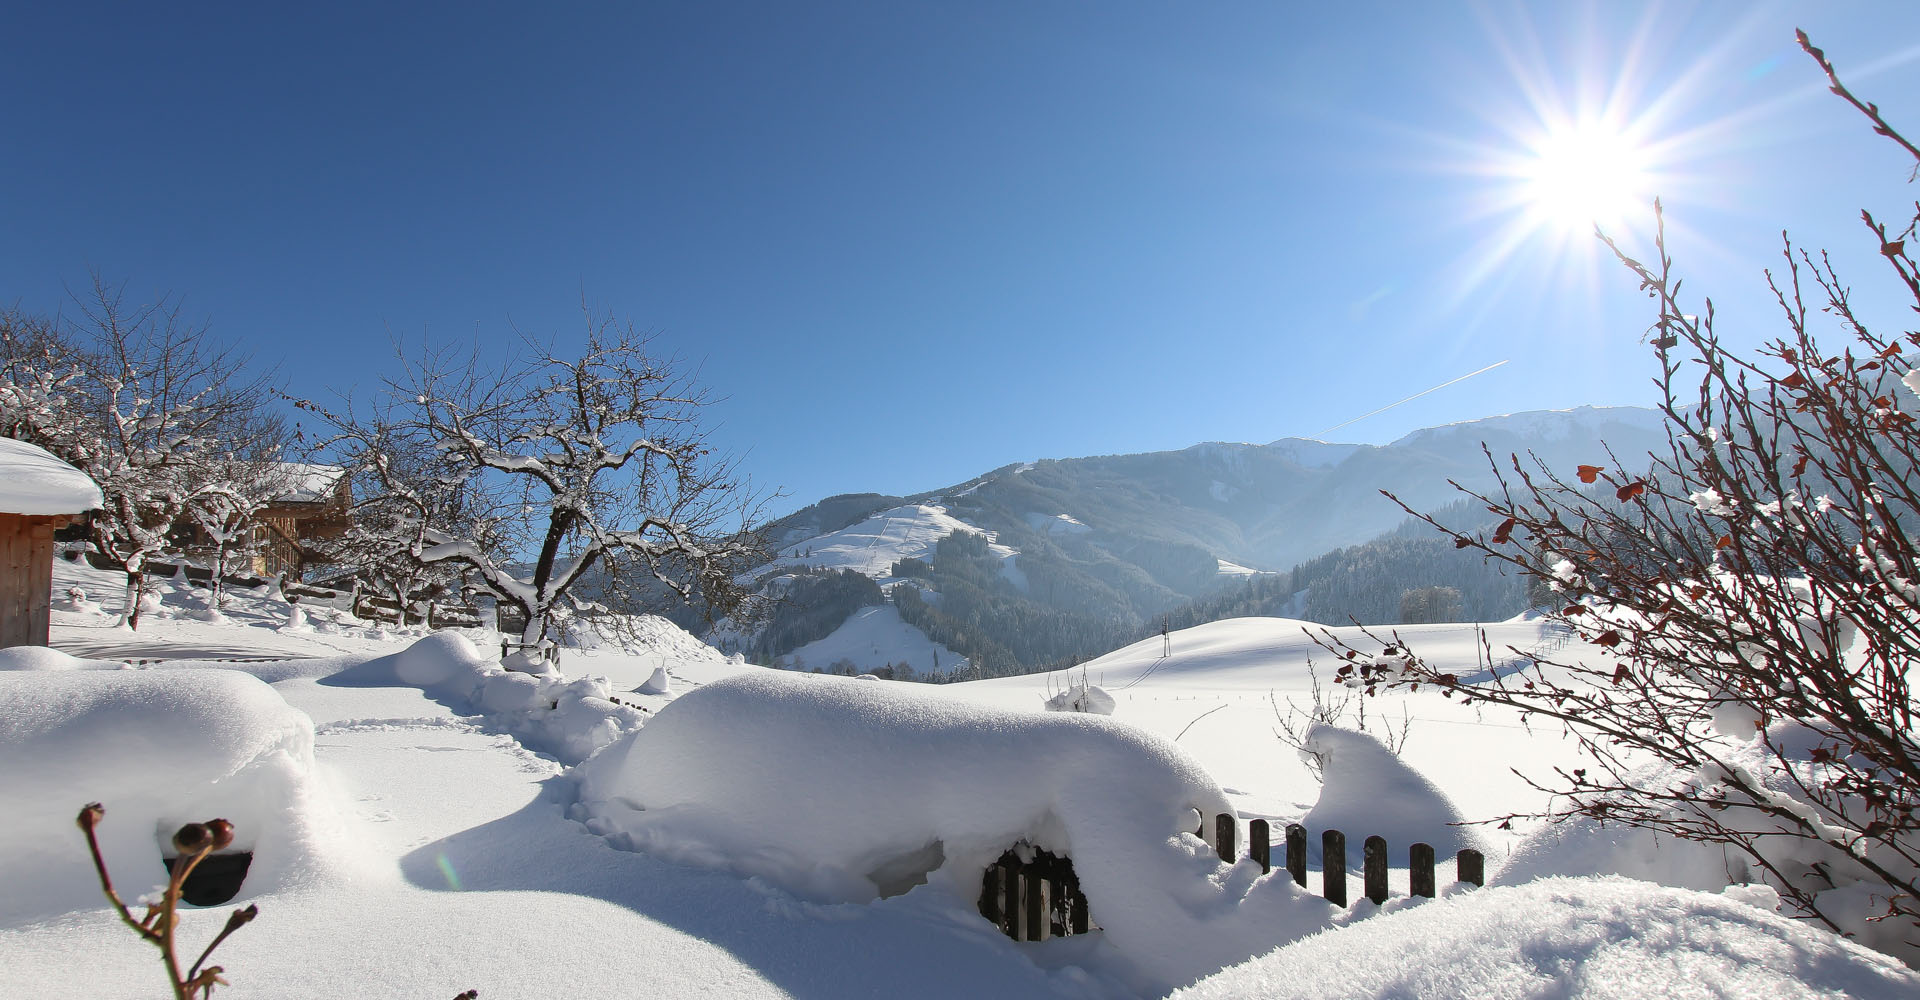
(222,833)
(192,838)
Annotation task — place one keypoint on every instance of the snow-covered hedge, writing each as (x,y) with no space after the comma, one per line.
(159,749)
(569,719)
(1781,767)
(1569,939)
(837,789)
(1368,791)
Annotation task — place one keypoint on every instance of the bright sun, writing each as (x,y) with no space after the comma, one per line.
(1584,174)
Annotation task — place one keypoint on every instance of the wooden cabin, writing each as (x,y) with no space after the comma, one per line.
(317,504)
(39,494)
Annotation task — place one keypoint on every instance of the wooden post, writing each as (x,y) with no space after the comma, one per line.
(1471,866)
(1078,901)
(1258,847)
(1223,837)
(1011,881)
(990,895)
(1036,916)
(1297,854)
(1420,870)
(1374,869)
(1333,867)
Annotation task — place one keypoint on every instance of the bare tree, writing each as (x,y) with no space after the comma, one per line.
(144,402)
(582,465)
(1757,590)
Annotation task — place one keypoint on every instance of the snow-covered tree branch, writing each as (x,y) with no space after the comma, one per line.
(568,467)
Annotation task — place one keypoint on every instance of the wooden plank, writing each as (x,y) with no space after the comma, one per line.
(1374,868)
(1077,901)
(1258,846)
(1420,870)
(1012,881)
(1035,923)
(1224,834)
(1297,854)
(40,590)
(1471,866)
(990,896)
(1333,867)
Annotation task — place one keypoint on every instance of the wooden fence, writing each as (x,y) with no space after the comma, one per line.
(1033,899)
(1470,866)
(1039,897)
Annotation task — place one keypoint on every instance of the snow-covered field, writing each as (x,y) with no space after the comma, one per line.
(417,830)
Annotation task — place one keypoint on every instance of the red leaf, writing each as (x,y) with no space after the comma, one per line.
(1891,350)
(1799,466)
(1461,543)
(1505,531)
(1588,473)
(1725,540)
(1894,249)
(1607,638)
(1574,609)
(1794,380)
(1631,490)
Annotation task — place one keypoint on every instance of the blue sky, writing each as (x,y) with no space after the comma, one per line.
(910,242)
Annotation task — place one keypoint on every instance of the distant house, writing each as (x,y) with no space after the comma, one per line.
(39,494)
(316,505)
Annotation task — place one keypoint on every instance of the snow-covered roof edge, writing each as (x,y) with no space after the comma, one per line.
(34,482)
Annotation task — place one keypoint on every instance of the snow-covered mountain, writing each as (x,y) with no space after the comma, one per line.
(1095,548)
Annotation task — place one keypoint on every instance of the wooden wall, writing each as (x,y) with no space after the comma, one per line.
(26,577)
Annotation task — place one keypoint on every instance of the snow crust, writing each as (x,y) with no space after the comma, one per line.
(1569,939)
(34,482)
(159,749)
(820,784)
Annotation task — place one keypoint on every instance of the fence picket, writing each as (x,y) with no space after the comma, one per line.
(1374,868)
(1333,867)
(1420,870)
(1471,866)
(1036,916)
(1297,854)
(1258,847)
(1224,834)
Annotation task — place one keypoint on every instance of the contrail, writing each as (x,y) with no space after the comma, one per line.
(1413,397)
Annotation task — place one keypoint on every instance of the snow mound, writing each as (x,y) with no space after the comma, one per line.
(38,484)
(1846,891)
(1369,792)
(837,789)
(42,658)
(567,719)
(1569,939)
(1089,698)
(160,749)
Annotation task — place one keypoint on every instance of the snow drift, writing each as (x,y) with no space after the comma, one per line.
(832,788)
(1367,791)
(568,719)
(159,749)
(1569,939)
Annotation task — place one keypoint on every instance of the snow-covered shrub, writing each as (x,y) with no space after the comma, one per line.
(1756,592)
(1568,939)
(165,748)
(1090,698)
(828,786)
(1366,790)
(568,719)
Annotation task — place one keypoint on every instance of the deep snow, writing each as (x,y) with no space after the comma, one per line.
(415,830)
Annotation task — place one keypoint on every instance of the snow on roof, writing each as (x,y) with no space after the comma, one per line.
(309,483)
(159,749)
(841,789)
(33,481)
(1569,939)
